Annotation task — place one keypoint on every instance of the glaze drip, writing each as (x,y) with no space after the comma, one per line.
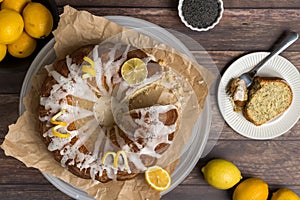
(107,94)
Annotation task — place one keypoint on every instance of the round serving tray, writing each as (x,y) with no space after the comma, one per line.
(201,129)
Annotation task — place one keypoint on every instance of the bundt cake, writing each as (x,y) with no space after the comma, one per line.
(268,98)
(99,126)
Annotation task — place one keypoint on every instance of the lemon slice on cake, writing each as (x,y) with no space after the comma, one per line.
(158,178)
(134,71)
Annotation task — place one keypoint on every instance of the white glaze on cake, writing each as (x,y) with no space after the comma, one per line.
(108,89)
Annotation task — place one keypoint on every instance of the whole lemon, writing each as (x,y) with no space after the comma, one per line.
(11,24)
(3,50)
(251,188)
(16,5)
(285,194)
(38,20)
(22,47)
(221,174)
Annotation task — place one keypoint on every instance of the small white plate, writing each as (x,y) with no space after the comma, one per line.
(277,67)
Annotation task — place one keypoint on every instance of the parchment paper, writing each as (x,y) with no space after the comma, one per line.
(75,29)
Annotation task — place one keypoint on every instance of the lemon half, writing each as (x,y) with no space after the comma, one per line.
(134,71)
(158,178)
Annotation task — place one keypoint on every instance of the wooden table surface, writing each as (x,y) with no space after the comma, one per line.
(246,26)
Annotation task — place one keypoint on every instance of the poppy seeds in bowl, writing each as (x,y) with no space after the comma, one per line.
(201,13)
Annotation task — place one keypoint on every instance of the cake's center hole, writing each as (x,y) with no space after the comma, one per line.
(102,111)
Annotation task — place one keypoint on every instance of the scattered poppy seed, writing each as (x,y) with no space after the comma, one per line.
(200,13)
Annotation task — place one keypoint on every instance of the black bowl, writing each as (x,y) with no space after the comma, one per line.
(11,64)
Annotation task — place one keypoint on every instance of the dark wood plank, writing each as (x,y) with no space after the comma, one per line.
(223,59)
(276,162)
(174,3)
(273,166)
(32,192)
(239,29)
(188,192)
(126,3)
(9,109)
(17,173)
(192,192)
(11,82)
(261,4)
(229,134)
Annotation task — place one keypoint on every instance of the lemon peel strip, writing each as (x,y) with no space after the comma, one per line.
(59,125)
(58,134)
(125,159)
(116,157)
(89,70)
(53,119)
(106,155)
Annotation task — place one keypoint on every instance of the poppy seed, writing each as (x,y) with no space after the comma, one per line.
(200,13)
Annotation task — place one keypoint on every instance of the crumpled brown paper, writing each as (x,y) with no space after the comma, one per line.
(78,28)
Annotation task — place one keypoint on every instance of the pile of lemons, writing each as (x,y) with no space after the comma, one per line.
(22,23)
(223,174)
